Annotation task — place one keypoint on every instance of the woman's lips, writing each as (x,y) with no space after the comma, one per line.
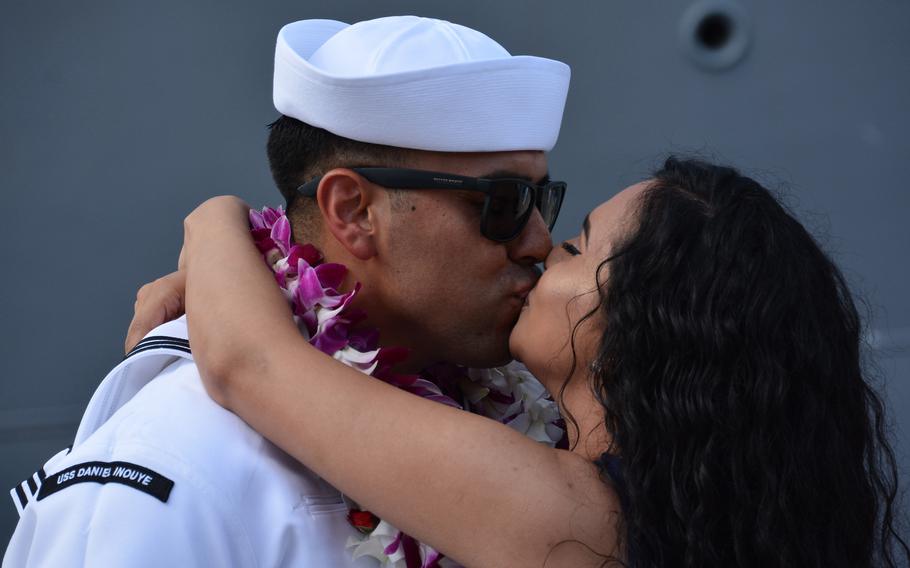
(522,295)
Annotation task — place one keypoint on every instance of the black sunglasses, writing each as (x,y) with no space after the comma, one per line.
(507,206)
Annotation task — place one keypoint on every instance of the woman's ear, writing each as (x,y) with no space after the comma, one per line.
(345,201)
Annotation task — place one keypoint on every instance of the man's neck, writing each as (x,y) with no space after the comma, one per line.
(378,317)
(416,360)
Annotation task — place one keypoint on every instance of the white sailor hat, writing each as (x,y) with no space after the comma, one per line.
(418,83)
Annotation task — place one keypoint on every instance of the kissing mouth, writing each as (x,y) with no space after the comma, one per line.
(522,295)
(523,288)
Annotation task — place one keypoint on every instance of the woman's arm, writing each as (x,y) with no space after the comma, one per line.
(473,488)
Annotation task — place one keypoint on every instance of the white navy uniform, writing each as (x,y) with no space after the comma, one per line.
(160,475)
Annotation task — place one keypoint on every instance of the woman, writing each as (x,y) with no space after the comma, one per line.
(719,414)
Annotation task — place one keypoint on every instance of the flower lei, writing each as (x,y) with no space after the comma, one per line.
(510,394)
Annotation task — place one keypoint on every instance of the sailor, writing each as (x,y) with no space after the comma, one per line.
(158,473)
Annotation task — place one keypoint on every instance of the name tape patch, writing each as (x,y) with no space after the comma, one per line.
(125,473)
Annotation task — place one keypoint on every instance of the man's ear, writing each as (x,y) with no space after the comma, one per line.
(346,201)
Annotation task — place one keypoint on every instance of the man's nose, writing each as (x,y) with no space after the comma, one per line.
(533,244)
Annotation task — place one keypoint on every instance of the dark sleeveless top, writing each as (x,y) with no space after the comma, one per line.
(612,466)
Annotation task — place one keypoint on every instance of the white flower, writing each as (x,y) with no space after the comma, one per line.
(376,543)
(512,395)
(385,545)
(362,361)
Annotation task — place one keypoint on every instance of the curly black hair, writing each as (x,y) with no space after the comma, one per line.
(730,372)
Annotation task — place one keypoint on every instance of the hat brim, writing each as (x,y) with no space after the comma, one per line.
(513,103)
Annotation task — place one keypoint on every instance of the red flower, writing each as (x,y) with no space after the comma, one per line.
(364,521)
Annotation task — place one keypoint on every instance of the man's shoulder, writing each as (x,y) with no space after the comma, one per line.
(174,412)
(171,456)
(174,422)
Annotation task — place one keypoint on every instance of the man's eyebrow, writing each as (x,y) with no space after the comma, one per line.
(516,175)
(587,227)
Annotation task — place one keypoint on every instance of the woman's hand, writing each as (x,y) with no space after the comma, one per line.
(222,212)
(157,302)
(164,299)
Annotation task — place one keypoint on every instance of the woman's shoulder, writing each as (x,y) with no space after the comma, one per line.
(591,507)
(590,482)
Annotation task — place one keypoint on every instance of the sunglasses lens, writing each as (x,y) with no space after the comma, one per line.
(551,202)
(508,208)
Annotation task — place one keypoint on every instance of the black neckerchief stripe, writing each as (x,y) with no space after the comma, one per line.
(158,344)
(163,338)
(174,346)
(159,340)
